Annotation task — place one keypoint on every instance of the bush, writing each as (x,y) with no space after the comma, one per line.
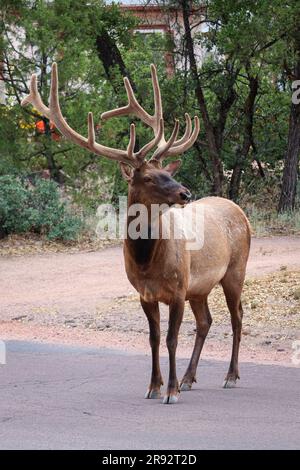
(13,206)
(36,208)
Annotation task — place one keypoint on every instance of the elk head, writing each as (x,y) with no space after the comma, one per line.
(148,181)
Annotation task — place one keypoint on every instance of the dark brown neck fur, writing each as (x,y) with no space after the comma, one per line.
(142,249)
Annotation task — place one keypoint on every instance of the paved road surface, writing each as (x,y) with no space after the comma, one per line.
(74,398)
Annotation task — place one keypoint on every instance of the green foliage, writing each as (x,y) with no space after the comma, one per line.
(13,205)
(245,39)
(37,208)
(42,32)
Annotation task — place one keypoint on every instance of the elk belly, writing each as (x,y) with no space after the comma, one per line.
(203,281)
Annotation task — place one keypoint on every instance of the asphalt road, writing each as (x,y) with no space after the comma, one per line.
(57,397)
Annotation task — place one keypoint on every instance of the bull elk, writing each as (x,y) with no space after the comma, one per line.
(163,269)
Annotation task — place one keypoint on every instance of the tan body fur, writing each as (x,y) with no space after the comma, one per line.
(175,270)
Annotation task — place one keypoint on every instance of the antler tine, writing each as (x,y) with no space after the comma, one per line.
(187,133)
(133,107)
(54,113)
(131,144)
(163,149)
(173,146)
(35,98)
(158,113)
(141,154)
(186,145)
(91,130)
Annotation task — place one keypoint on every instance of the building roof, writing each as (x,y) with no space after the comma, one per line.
(133,2)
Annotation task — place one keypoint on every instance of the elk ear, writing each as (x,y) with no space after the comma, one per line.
(126,171)
(172,167)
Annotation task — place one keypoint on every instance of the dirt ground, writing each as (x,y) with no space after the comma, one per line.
(85,298)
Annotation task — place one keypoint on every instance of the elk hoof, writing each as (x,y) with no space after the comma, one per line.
(229,383)
(170,399)
(153,394)
(185,387)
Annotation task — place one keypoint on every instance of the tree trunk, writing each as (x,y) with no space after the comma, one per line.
(203,163)
(111,58)
(3,231)
(242,153)
(211,140)
(235,182)
(290,172)
(51,164)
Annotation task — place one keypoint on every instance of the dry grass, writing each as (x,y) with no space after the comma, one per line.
(271,304)
(19,245)
(272,300)
(268,222)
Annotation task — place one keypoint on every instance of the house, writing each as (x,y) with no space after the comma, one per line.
(155,17)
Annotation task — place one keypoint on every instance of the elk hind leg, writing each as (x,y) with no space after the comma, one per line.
(232,285)
(203,323)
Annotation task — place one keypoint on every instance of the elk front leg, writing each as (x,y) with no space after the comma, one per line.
(175,319)
(152,313)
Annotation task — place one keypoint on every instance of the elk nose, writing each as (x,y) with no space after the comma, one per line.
(186,195)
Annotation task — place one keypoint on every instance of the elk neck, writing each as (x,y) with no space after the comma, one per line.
(142,250)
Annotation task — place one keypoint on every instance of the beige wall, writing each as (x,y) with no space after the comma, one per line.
(154,18)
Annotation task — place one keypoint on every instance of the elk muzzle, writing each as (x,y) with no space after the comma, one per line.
(185,195)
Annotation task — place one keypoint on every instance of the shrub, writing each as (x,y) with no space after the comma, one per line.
(37,208)
(13,205)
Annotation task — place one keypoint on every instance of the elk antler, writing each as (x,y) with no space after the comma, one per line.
(128,156)
(89,143)
(165,148)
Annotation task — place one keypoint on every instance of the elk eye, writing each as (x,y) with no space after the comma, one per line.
(147,179)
